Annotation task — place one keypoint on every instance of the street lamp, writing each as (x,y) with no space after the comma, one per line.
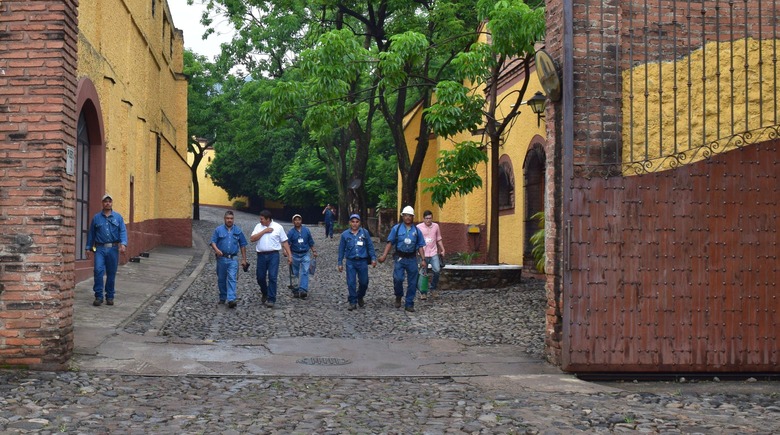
(537,103)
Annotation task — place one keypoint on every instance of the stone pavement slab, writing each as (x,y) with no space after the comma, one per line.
(136,284)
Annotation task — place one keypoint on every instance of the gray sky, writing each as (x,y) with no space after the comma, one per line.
(187,18)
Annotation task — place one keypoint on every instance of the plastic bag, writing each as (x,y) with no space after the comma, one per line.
(312,266)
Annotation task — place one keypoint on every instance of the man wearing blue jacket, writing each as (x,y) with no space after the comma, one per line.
(227,241)
(357,248)
(301,242)
(107,237)
(408,242)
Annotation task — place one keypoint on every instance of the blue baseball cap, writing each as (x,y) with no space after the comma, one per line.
(354,216)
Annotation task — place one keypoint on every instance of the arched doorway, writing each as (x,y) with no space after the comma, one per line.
(533,173)
(90,169)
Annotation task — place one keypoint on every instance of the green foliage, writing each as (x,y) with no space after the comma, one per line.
(239,204)
(457,109)
(460,108)
(388,200)
(457,173)
(305,182)
(537,242)
(251,159)
(465,257)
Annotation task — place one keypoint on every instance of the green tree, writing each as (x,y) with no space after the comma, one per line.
(306,180)
(251,159)
(204,116)
(513,28)
(377,55)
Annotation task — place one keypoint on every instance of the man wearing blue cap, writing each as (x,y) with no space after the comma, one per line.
(356,246)
(107,237)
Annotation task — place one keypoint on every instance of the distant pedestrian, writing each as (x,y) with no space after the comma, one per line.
(301,242)
(226,241)
(357,248)
(107,237)
(408,242)
(330,217)
(270,238)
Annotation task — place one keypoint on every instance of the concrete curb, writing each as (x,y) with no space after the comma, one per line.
(162,314)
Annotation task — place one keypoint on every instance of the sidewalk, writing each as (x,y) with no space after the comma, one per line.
(136,285)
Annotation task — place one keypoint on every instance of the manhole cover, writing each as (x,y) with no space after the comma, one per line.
(324,361)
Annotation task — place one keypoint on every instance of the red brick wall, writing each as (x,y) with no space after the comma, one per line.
(553,191)
(37,123)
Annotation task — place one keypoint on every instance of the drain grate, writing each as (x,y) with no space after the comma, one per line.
(324,361)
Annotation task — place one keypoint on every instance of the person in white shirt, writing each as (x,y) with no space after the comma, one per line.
(434,247)
(270,238)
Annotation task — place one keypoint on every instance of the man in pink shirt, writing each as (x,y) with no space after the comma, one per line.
(433,248)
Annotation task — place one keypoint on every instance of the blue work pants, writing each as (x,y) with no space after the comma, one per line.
(268,265)
(300,268)
(227,274)
(408,265)
(106,262)
(357,270)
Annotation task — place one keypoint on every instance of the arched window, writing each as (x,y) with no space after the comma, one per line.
(506,184)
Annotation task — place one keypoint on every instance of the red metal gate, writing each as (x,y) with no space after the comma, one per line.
(670,212)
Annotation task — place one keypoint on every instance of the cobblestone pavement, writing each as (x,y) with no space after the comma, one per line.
(96,403)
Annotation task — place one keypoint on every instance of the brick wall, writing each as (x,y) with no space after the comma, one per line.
(37,125)
(553,192)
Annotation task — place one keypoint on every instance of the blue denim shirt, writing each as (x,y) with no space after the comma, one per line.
(406,240)
(356,246)
(229,240)
(328,216)
(106,229)
(300,241)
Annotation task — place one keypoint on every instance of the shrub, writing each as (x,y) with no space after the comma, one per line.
(537,242)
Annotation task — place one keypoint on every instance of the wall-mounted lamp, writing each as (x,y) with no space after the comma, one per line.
(537,103)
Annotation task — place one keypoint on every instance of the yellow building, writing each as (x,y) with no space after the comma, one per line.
(209,193)
(132,123)
(464,220)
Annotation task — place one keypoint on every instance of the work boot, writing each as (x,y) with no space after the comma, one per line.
(109,302)
(398,301)
(361,302)
(352,307)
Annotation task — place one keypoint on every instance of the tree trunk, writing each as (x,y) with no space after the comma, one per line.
(492,250)
(198,157)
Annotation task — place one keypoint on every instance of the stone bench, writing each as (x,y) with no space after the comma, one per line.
(470,276)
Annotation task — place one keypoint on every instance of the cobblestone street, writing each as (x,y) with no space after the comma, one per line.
(96,402)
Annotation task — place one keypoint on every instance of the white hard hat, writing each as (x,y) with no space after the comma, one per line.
(408,210)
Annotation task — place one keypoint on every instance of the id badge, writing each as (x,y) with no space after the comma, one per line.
(360,243)
(407,240)
(300,240)
(428,240)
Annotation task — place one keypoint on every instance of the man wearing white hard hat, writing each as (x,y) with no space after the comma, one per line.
(408,242)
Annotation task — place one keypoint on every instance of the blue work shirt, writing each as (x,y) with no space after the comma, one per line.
(106,229)
(328,216)
(356,246)
(300,241)
(406,240)
(228,240)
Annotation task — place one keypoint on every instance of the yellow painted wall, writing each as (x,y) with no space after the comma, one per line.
(473,209)
(135,60)
(752,94)
(209,193)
